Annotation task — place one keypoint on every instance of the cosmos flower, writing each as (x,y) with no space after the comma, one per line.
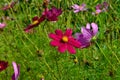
(87,34)
(64,41)
(2,25)
(78,8)
(48,14)
(101,8)
(11,5)
(35,22)
(3,65)
(16,71)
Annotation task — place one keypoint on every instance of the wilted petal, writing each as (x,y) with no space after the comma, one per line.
(35,18)
(98,11)
(94,28)
(62,48)
(71,49)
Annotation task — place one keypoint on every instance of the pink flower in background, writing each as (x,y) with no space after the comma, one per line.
(16,71)
(11,5)
(49,14)
(2,25)
(87,34)
(101,8)
(78,8)
(64,41)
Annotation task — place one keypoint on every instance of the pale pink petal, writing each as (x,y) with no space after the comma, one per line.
(2,25)
(94,28)
(55,43)
(71,49)
(88,26)
(62,48)
(76,11)
(75,6)
(16,71)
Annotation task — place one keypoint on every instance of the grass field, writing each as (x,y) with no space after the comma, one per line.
(38,60)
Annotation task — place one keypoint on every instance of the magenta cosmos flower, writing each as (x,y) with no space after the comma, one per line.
(64,41)
(11,5)
(50,15)
(87,34)
(16,71)
(3,65)
(101,8)
(78,8)
(2,25)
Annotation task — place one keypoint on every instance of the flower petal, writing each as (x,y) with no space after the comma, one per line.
(86,33)
(75,6)
(55,43)
(94,28)
(54,36)
(77,35)
(71,49)
(88,26)
(16,71)
(74,42)
(62,47)
(2,25)
(68,32)
(59,32)
(35,18)
(84,42)
(76,11)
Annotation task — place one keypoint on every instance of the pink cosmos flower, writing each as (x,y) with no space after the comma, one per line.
(2,25)
(101,8)
(64,41)
(48,14)
(16,71)
(87,34)
(78,8)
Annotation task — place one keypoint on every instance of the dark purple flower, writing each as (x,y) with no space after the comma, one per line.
(52,14)
(48,14)
(78,8)
(3,65)
(87,34)
(16,71)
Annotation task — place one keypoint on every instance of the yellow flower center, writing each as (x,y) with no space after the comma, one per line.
(35,22)
(65,39)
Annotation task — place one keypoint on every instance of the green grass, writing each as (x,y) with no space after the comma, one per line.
(100,61)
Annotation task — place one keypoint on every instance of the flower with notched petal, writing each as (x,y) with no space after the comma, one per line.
(64,41)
